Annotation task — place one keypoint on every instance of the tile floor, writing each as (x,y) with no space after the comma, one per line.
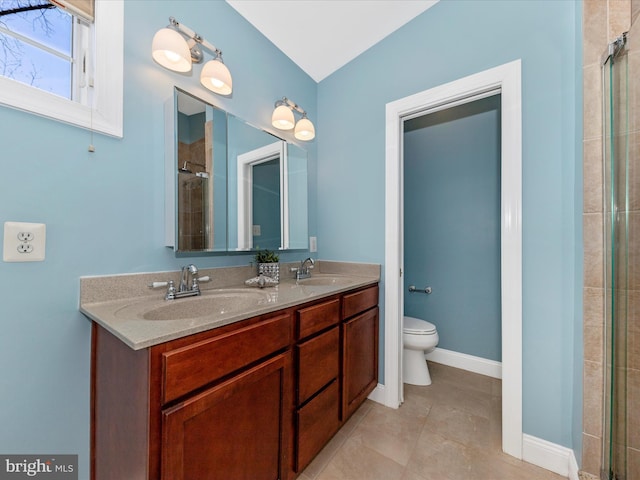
(449,430)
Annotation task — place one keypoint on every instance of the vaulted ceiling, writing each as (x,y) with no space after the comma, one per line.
(321,36)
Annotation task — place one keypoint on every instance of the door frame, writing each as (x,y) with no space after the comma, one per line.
(245,163)
(506,80)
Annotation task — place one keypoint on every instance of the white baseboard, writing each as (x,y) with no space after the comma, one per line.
(573,467)
(379,395)
(550,456)
(490,368)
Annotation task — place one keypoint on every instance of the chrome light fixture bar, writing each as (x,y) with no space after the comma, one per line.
(284,119)
(176,47)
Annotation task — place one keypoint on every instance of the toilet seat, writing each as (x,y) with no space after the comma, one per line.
(416,326)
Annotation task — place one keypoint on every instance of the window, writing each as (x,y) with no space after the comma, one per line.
(61,66)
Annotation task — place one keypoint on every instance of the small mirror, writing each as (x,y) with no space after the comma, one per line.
(229,185)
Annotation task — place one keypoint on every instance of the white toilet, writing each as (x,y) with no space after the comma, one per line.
(418,337)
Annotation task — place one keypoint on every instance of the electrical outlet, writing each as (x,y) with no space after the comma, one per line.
(25,248)
(24,242)
(256,231)
(313,244)
(25,236)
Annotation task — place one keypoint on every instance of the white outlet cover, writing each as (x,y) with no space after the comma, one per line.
(15,250)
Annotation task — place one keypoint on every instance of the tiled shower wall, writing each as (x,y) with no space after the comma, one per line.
(192,211)
(603,21)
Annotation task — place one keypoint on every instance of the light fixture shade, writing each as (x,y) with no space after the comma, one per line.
(282,118)
(216,77)
(305,130)
(170,50)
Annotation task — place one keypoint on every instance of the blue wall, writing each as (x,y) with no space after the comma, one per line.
(452,225)
(191,127)
(451,40)
(105,214)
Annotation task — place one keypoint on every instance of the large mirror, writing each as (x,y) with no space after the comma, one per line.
(229,185)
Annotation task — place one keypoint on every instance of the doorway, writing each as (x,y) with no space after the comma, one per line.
(451,199)
(506,81)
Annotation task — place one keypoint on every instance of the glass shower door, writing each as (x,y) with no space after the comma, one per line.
(616,275)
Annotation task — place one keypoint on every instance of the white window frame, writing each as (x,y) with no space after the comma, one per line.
(106,114)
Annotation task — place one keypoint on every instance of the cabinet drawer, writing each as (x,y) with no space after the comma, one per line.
(313,319)
(317,422)
(191,367)
(318,361)
(354,303)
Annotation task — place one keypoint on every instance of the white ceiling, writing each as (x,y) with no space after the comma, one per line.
(321,36)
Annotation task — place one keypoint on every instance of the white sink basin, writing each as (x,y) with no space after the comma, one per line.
(212,302)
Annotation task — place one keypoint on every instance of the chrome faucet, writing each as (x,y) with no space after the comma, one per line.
(189,284)
(304,270)
(189,279)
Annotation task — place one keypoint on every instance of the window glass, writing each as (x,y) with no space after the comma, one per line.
(39,69)
(48,26)
(36,46)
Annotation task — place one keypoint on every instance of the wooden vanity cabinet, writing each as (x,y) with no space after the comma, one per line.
(317,363)
(359,348)
(211,406)
(254,400)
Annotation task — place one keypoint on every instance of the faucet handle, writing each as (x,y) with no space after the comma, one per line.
(205,278)
(171,291)
(171,288)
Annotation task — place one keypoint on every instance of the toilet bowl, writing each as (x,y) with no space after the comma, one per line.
(418,337)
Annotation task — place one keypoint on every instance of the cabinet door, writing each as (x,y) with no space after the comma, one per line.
(236,430)
(359,360)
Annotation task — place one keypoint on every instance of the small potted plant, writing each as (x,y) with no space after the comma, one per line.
(268,265)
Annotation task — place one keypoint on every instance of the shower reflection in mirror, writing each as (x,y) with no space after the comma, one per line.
(201,218)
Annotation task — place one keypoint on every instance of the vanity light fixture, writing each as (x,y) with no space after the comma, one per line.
(283,119)
(176,47)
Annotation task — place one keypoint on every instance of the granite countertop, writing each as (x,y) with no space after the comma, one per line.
(120,303)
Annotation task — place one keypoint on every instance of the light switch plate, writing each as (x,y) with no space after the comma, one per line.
(24,242)
(313,244)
